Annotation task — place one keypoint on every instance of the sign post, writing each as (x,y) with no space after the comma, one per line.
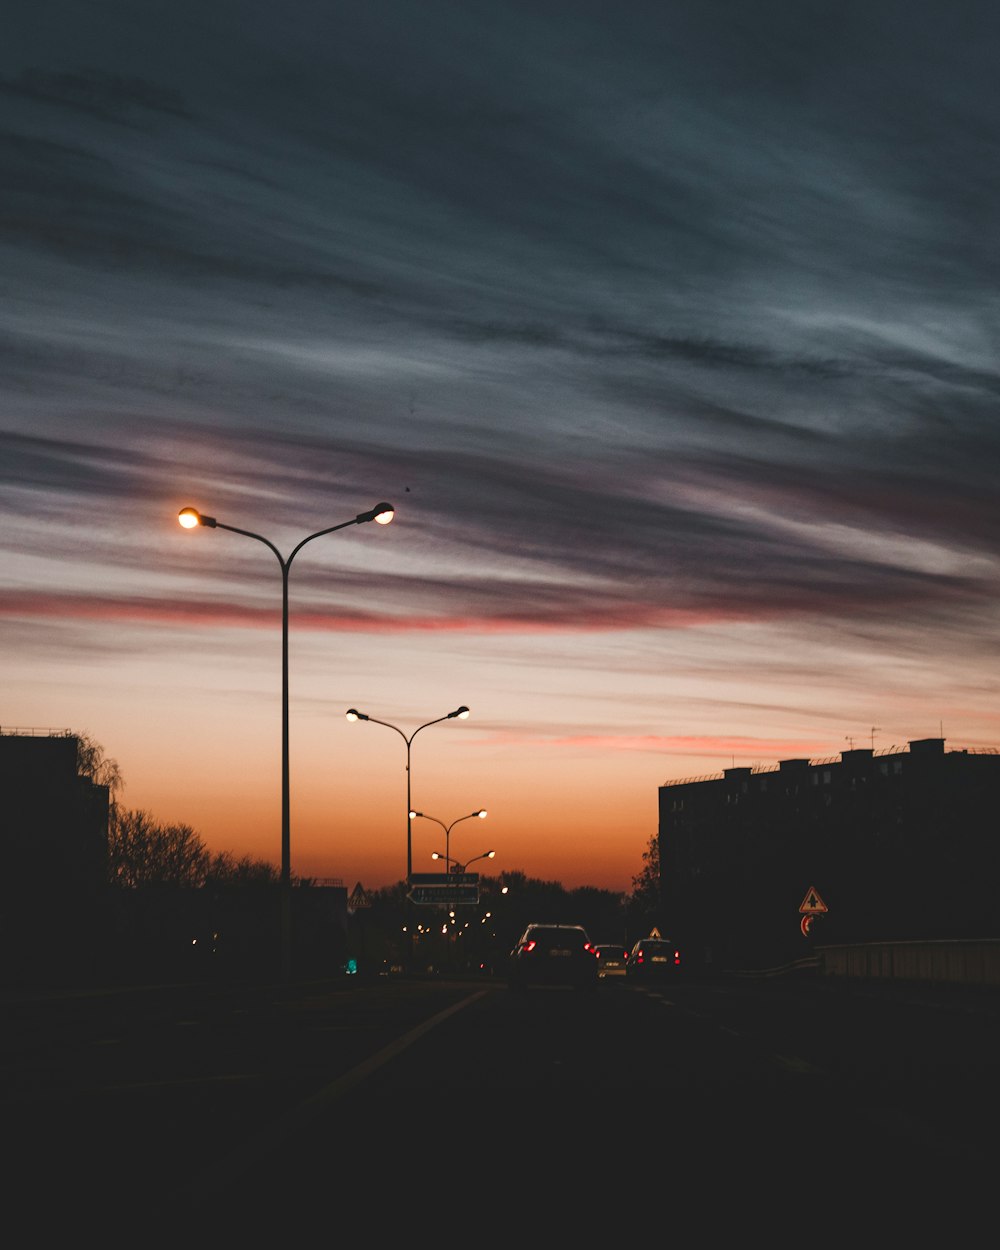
(444,889)
(810,907)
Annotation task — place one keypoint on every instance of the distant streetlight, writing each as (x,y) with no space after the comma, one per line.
(455,866)
(191,518)
(481,813)
(461,713)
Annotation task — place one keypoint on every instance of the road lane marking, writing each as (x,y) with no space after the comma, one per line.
(263,1144)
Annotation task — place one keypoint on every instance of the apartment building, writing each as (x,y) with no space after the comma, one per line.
(53,851)
(763,863)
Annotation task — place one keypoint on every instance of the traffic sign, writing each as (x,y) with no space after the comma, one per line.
(444,878)
(444,895)
(812,904)
(359,897)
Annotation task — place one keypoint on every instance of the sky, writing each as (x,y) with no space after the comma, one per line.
(668,328)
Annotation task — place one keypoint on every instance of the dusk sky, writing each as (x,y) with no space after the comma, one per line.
(669,328)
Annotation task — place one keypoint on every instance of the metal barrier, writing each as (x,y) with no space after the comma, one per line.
(958,962)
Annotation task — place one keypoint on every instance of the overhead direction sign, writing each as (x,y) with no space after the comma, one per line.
(444,878)
(444,895)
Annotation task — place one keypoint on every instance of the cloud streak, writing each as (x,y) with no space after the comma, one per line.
(670,332)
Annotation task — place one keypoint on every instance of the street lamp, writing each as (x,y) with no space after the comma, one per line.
(481,813)
(461,713)
(191,518)
(452,865)
(455,866)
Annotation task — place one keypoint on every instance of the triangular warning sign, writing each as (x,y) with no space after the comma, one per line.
(812,903)
(655,932)
(359,897)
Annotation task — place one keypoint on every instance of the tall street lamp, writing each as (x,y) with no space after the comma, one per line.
(461,713)
(191,518)
(481,813)
(451,865)
(455,866)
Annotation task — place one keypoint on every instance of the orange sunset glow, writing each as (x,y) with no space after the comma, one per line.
(675,360)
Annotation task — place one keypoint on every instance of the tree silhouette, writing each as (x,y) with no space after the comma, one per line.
(142,852)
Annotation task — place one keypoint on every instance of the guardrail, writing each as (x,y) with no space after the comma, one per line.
(958,962)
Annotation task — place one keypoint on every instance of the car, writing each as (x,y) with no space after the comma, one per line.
(654,959)
(552,954)
(612,960)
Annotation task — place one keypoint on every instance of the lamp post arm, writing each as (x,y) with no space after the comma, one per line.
(377,514)
(319,534)
(388,726)
(427,726)
(218,525)
(190,517)
(409,797)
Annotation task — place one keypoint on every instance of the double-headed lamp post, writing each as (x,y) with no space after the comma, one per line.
(481,813)
(191,518)
(462,714)
(455,866)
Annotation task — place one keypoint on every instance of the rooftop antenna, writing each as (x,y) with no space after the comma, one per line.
(848,739)
(875,729)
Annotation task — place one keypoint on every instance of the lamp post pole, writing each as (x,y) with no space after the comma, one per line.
(481,813)
(460,713)
(353,714)
(191,518)
(465,867)
(455,866)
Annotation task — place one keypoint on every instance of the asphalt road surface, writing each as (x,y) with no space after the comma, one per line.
(796,1111)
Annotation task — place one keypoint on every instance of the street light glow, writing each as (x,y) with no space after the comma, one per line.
(381,514)
(190,518)
(452,864)
(353,714)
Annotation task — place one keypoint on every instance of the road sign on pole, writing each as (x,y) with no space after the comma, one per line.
(444,895)
(445,878)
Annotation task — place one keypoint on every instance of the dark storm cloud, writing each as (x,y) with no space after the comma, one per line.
(87,471)
(688,304)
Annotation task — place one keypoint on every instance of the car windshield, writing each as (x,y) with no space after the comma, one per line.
(549,939)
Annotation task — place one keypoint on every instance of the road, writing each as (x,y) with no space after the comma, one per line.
(797,1109)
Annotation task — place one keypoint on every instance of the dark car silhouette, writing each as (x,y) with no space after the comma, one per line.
(654,959)
(552,954)
(612,960)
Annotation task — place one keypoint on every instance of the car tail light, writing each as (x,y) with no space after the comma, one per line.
(528,947)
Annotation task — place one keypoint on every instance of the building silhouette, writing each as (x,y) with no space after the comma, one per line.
(53,854)
(760,865)
(62,919)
